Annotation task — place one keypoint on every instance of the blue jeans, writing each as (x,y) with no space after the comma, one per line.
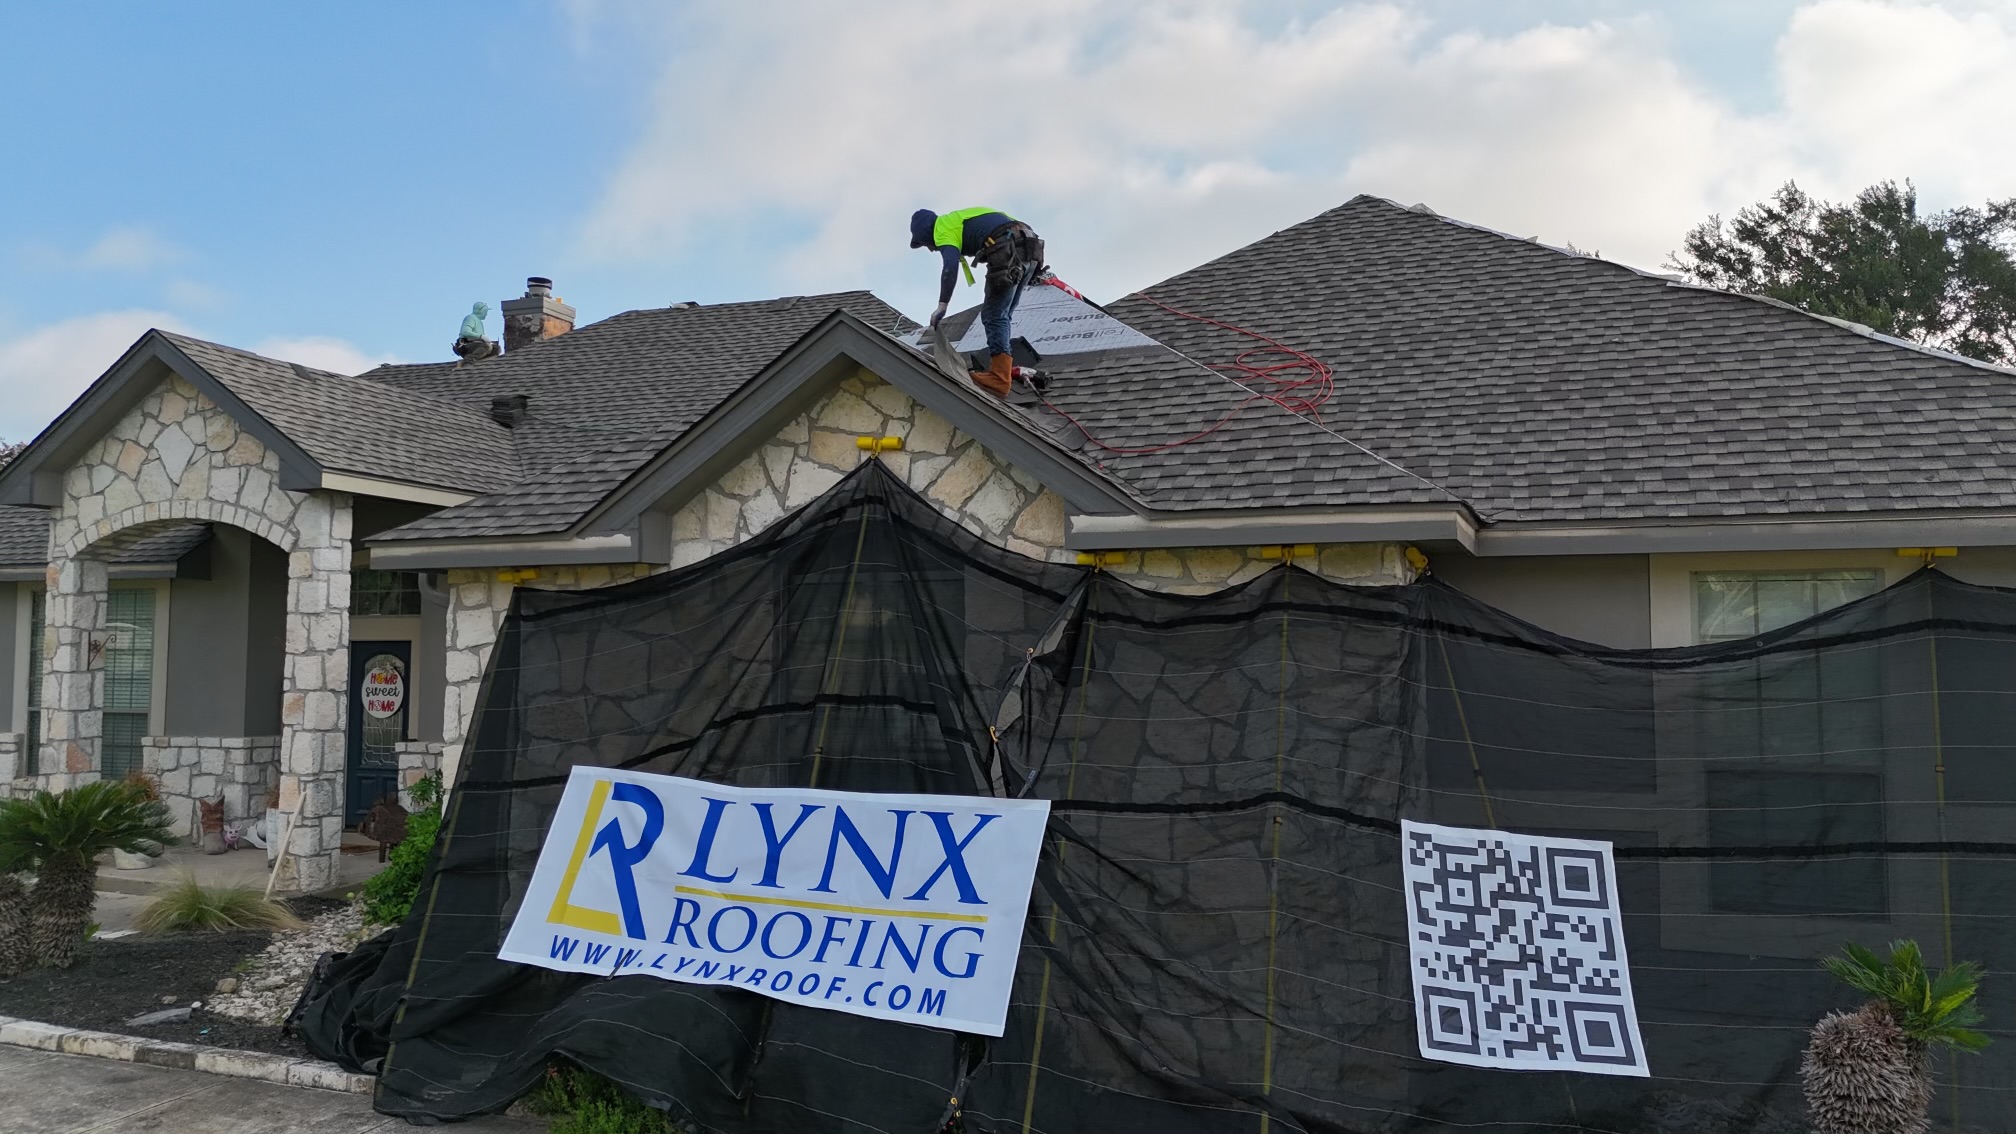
(997,309)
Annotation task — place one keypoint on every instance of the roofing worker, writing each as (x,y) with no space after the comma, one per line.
(1013,254)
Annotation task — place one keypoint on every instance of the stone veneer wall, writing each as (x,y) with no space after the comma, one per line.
(968,483)
(241,769)
(417,759)
(177,456)
(12,782)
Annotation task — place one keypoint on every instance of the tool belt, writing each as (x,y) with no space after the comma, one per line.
(1009,248)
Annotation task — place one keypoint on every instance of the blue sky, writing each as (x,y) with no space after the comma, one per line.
(335,184)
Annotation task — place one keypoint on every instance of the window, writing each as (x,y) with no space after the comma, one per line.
(1810,729)
(385,593)
(1741,604)
(129,679)
(37,616)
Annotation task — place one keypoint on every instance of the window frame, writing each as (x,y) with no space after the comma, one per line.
(1672,579)
(157,700)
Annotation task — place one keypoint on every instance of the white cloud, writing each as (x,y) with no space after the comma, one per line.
(128,248)
(321,352)
(187,293)
(43,370)
(1143,138)
(1893,90)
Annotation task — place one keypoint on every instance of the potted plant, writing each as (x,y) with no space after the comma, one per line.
(1869,1071)
(61,835)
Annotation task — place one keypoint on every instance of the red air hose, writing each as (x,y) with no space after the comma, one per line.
(1300,382)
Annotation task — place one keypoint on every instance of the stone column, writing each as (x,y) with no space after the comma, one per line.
(477,605)
(314,710)
(73,683)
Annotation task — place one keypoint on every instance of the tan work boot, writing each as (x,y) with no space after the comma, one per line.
(999,377)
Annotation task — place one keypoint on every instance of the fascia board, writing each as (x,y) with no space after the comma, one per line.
(1789,534)
(412,555)
(1271,526)
(393,489)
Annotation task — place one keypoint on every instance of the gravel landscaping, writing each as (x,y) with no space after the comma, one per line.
(267,986)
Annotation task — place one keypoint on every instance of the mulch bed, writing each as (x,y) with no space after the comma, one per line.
(114,981)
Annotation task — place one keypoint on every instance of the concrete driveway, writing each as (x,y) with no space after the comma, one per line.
(47,1093)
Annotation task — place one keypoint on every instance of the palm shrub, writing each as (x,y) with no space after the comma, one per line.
(17,950)
(63,834)
(1869,1071)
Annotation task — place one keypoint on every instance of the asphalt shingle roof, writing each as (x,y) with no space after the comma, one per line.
(364,427)
(24,537)
(24,540)
(1543,385)
(547,503)
(602,399)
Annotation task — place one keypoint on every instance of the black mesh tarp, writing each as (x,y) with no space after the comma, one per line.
(1216,939)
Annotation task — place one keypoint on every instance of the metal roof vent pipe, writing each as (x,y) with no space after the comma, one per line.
(684,305)
(536,315)
(510,410)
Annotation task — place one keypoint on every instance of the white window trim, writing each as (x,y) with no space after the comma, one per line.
(1672,579)
(24,622)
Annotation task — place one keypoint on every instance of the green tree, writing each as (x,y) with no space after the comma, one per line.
(63,834)
(1870,1071)
(1946,280)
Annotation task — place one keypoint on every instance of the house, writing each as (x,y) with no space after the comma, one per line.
(238,574)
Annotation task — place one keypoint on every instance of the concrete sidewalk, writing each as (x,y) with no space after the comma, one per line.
(246,866)
(47,1093)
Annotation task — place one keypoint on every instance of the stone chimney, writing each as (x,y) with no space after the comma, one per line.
(538,314)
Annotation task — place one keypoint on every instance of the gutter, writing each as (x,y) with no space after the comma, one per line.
(1272,526)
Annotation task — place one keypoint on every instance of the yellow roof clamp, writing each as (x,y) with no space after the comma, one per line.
(1288,553)
(517,574)
(876,446)
(1101,558)
(1927,554)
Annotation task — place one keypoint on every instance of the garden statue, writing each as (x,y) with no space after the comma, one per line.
(471,344)
(386,824)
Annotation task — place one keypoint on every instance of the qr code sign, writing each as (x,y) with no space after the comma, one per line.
(1518,952)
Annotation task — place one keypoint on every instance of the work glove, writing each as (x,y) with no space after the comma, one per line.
(937,316)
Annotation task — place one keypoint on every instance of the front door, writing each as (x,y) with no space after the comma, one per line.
(380,681)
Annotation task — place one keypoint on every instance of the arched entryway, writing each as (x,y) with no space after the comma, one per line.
(257,672)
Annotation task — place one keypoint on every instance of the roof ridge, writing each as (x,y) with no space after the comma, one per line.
(1677,280)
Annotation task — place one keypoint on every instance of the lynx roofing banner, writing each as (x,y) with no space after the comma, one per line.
(900,907)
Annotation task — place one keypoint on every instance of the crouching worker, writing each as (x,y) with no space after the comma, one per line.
(1013,256)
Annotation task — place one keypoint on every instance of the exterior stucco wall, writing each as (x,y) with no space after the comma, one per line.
(1605,599)
(226,645)
(809,455)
